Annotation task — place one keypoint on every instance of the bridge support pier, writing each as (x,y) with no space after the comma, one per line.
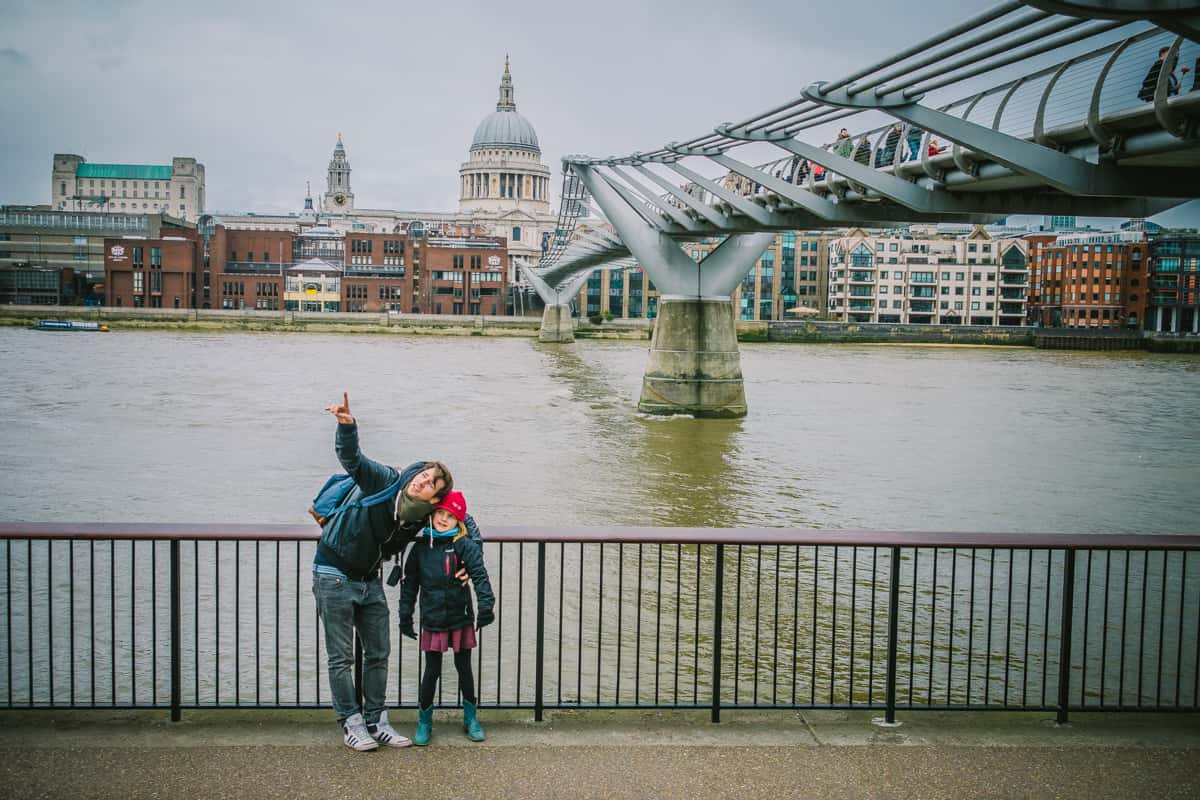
(557,325)
(694,365)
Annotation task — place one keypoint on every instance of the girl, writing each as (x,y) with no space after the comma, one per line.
(439,551)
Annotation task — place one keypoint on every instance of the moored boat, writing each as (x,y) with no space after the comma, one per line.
(68,325)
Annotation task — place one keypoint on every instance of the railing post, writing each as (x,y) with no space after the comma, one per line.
(1064,649)
(718,588)
(893,634)
(538,706)
(176,667)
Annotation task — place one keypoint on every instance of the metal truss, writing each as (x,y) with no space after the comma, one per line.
(1099,133)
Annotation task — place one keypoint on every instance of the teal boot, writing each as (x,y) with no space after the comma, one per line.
(424,727)
(471,722)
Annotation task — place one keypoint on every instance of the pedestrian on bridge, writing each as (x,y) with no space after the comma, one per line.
(355,541)
(1150,82)
(843,146)
(447,621)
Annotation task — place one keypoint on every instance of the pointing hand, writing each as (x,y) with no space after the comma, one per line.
(342,411)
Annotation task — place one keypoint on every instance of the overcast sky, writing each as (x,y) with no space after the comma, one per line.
(258,91)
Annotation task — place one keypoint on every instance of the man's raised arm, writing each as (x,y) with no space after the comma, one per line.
(370,476)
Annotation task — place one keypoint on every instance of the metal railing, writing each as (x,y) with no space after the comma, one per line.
(209,616)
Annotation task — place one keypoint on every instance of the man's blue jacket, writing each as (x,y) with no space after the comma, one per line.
(357,540)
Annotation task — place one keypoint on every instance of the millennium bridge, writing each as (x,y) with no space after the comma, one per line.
(1040,107)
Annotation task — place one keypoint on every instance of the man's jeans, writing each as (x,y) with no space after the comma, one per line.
(346,606)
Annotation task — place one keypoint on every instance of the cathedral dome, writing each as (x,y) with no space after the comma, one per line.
(505,129)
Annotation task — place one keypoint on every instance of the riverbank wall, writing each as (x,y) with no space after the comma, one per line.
(785,331)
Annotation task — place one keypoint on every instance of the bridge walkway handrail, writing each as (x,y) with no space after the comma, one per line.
(178,616)
(617,534)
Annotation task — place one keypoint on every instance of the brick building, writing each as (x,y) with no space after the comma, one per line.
(58,257)
(152,273)
(319,269)
(1096,280)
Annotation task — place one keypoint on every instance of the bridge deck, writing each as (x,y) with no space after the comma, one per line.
(603,754)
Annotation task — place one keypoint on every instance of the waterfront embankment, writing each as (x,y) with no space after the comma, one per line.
(780,331)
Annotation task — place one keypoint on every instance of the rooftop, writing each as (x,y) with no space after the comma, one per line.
(141,172)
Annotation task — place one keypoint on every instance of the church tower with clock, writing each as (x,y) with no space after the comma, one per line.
(338,197)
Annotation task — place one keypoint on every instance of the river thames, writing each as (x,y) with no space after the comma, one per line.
(229,428)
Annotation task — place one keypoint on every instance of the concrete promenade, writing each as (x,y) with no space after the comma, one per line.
(297,754)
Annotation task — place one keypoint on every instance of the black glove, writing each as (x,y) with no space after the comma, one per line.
(406,628)
(486,617)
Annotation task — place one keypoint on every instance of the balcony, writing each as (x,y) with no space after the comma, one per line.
(862,277)
(862,291)
(255,267)
(1014,280)
(920,307)
(921,291)
(862,305)
(1012,294)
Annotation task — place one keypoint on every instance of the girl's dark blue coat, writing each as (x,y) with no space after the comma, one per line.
(429,572)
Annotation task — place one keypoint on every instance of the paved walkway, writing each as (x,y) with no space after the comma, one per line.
(603,754)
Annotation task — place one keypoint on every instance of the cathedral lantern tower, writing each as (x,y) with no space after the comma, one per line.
(338,199)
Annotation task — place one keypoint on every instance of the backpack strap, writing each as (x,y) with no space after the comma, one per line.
(380,496)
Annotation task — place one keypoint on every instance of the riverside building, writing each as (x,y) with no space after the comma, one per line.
(58,257)
(1095,280)
(152,273)
(972,280)
(176,189)
(1174,276)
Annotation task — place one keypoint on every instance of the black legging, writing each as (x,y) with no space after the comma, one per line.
(433,671)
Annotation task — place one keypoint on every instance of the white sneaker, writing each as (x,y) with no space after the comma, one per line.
(384,733)
(356,736)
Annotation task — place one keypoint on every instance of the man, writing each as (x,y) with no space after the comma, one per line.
(844,146)
(887,154)
(354,543)
(1150,82)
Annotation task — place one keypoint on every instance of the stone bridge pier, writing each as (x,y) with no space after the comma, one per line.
(557,325)
(694,365)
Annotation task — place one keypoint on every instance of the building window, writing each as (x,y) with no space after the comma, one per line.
(516,234)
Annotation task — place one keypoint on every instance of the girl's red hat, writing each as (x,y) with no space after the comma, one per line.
(456,504)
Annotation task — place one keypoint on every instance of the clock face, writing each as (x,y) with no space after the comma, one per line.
(340,199)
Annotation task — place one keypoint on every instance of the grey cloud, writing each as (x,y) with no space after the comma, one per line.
(258,91)
(13,57)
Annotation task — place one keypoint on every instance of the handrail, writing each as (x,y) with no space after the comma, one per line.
(619,534)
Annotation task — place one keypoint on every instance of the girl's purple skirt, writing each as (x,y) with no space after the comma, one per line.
(440,641)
